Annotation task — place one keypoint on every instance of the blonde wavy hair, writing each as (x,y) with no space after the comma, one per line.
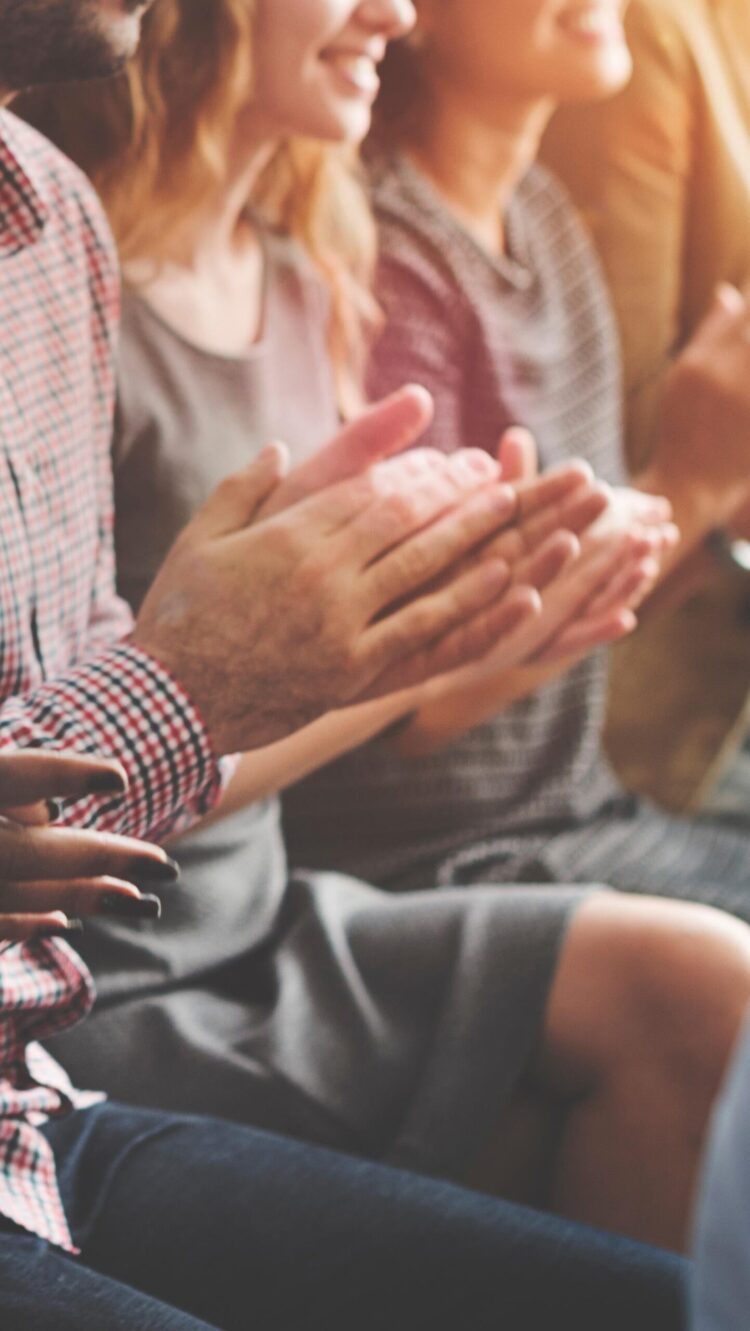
(155,142)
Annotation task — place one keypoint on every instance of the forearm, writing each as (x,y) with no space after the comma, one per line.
(459,702)
(267,771)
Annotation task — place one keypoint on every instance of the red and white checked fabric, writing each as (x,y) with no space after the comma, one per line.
(68,677)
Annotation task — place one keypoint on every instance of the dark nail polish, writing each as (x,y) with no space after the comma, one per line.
(142,869)
(106,783)
(60,930)
(129,908)
(54,810)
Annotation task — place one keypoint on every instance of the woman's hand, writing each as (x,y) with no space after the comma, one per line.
(49,874)
(702,455)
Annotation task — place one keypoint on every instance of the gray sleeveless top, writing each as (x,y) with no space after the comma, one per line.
(526,339)
(186,418)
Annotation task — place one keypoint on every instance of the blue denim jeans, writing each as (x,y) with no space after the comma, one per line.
(189,1223)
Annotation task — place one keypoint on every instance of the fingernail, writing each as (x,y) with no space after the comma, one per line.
(153,871)
(107,783)
(60,930)
(129,908)
(54,810)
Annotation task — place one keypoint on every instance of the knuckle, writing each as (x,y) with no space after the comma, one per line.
(399,510)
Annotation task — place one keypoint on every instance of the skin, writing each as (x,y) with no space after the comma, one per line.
(48,874)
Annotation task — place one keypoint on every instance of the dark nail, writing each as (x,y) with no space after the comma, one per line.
(60,930)
(142,869)
(129,908)
(106,783)
(54,810)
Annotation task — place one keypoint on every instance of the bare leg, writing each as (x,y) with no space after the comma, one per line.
(645,1008)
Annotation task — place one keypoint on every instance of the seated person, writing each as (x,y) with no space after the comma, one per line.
(494,299)
(410,1029)
(662,175)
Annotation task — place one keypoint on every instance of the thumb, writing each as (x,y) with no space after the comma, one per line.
(517,455)
(236,501)
(386,428)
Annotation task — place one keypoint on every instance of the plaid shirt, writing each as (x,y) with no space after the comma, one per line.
(67,678)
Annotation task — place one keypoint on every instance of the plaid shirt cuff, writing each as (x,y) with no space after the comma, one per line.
(126,705)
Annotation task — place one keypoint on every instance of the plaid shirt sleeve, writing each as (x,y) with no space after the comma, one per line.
(122,703)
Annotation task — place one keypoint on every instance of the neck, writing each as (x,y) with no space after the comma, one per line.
(221,229)
(476,156)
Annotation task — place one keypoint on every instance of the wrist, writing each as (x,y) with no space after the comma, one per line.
(696,505)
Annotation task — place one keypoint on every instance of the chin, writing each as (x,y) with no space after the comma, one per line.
(351,127)
(609,76)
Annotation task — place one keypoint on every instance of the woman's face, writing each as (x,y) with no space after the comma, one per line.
(561,50)
(316,63)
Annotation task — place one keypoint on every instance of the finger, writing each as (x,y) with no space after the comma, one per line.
(574,513)
(32,776)
(579,639)
(568,597)
(418,561)
(627,589)
(237,500)
(517,455)
(491,629)
(30,853)
(386,428)
(21,928)
(423,622)
(104,896)
(395,498)
(547,563)
(35,815)
(552,486)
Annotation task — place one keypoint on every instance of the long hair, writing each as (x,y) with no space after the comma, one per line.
(155,141)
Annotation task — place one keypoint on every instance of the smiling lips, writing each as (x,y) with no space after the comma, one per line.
(357,68)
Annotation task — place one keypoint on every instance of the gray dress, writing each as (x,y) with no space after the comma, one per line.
(396,1027)
(529,796)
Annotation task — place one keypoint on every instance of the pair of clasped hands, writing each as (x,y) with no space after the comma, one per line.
(364,571)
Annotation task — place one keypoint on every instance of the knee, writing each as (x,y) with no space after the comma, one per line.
(657,982)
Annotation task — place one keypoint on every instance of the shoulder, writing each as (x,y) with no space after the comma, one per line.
(76,223)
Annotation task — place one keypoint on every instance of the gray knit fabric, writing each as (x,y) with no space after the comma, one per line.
(526,339)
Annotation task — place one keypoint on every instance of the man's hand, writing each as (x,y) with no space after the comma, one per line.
(270,618)
(48,874)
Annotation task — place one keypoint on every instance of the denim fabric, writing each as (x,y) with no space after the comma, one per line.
(245,1230)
